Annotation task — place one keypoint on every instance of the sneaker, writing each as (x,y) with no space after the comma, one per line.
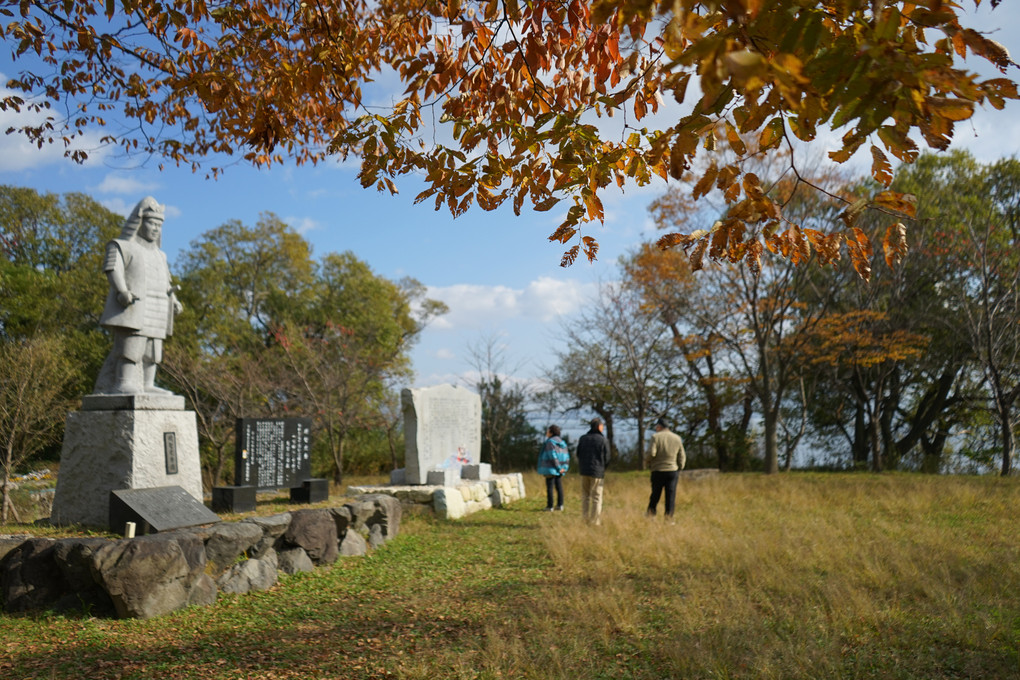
(547,510)
(559,508)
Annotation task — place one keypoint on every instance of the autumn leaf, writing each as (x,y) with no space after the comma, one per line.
(894,245)
(904,204)
(881,168)
(569,256)
(269,83)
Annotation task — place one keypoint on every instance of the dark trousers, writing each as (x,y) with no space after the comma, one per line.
(663,481)
(551,482)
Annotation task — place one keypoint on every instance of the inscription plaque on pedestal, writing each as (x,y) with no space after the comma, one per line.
(170,452)
(273,453)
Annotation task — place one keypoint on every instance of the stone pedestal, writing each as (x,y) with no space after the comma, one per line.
(123,442)
(443,477)
(480,472)
(233,499)
(310,491)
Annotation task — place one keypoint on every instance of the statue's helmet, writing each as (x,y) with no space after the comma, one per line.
(146,208)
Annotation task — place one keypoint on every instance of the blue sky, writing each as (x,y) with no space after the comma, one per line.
(499,275)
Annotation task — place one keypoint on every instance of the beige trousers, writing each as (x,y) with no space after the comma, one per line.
(591,499)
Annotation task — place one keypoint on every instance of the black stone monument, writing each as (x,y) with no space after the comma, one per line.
(273,453)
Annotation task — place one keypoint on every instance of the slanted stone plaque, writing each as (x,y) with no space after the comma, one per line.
(442,430)
(273,453)
(158,509)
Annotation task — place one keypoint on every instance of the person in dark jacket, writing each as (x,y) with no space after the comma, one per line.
(592,458)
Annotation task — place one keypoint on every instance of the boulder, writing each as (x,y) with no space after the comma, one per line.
(361,512)
(31,577)
(315,531)
(227,541)
(353,545)
(293,561)
(250,575)
(82,592)
(387,515)
(343,518)
(449,504)
(375,536)
(150,575)
(9,542)
(203,591)
(273,527)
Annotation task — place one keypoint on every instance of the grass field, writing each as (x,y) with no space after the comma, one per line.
(789,576)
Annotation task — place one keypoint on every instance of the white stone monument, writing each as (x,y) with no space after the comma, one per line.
(130,434)
(442,435)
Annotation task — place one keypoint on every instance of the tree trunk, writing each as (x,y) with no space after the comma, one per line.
(739,458)
(771,441)
(338,460)
(860,444)
(890,454)
(641,438)
(1006,432)
(393,447)
(8,502)
(931,452)
(3,492)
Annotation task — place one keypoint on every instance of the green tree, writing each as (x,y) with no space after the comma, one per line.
(342,365)
(953,289)
(238,283)
(984,247)
(51,280)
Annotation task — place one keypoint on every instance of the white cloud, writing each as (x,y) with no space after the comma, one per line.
(475,306)
(18,154)
(118,184)
(547,298)
(118,205)
(444,353)
(122,207)
(303,225)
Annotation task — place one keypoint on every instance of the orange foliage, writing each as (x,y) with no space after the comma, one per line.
(859,338)
(519,87)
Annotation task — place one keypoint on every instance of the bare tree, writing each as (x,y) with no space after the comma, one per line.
(33,376)
(989,295)
(622,363)
(220,388)
(505,428)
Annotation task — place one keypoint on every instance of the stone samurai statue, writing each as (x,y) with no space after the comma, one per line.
(140,306)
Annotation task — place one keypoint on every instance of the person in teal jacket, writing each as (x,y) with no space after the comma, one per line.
(553,461)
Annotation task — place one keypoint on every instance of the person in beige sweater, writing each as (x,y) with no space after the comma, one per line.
(666,457)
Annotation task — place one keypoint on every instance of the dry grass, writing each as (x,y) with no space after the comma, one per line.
(799,576)
(793,576)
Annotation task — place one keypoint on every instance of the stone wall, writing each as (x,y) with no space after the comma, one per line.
(454,502)
(152,575)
